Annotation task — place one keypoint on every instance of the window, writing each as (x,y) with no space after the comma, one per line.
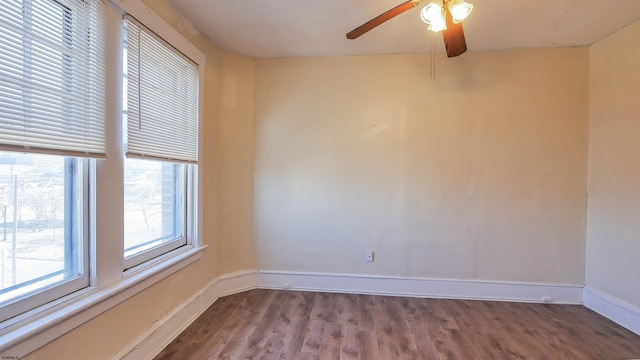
(51,119)
(160,121)
(154,205)
(82,188)
(42,247)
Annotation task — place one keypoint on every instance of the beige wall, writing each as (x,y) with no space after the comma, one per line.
(226,165)
(478,174)
(613,231)
(236,137)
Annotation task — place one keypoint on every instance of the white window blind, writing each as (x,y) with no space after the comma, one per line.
(162,98)
(52,77)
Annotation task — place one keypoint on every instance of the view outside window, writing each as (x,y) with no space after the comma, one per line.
(153,204)
(38,228)
(154,191)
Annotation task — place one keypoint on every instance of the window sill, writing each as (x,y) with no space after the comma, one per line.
(35,329)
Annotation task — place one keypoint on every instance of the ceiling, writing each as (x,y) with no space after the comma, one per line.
(300,28)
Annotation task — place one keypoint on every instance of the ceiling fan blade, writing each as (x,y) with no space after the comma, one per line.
(453,37)
(385,16)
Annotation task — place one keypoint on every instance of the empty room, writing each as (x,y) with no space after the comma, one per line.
(339,179)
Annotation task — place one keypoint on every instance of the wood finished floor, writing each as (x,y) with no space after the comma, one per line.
(271,324)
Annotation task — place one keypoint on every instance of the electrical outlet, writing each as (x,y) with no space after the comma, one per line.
(547,299)
(368,257)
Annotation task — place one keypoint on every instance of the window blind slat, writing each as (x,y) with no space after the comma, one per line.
(162,99)
(52,77)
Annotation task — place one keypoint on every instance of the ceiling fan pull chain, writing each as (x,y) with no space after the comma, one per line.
(433,58)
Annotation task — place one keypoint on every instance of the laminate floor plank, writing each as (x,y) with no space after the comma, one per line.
(548,334)
(331,341)
(522,333)
(239,328)
(418,320)
(397,309)
(368,345)
(275,342)
(298,328)
(349,313)
(474,327)
(350,344)
(437,325)
(364,308)
(387,345)
(274,324)
(313,338)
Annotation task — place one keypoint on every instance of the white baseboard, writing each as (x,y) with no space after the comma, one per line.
(151,343)
(420,287)
(612,308)
(236,282)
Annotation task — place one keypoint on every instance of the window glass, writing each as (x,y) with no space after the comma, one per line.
(40,222)
(154,208)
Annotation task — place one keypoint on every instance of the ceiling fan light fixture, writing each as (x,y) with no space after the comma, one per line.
(459,10)
(437,15)
(433,15)
(437,26)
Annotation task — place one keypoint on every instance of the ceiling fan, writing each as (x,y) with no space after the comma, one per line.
(440,15)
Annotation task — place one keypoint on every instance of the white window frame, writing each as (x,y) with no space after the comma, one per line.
(185,181)
(47,294)
(183,46)
(14,308)
(189,227)
(114,199)
(109,285)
